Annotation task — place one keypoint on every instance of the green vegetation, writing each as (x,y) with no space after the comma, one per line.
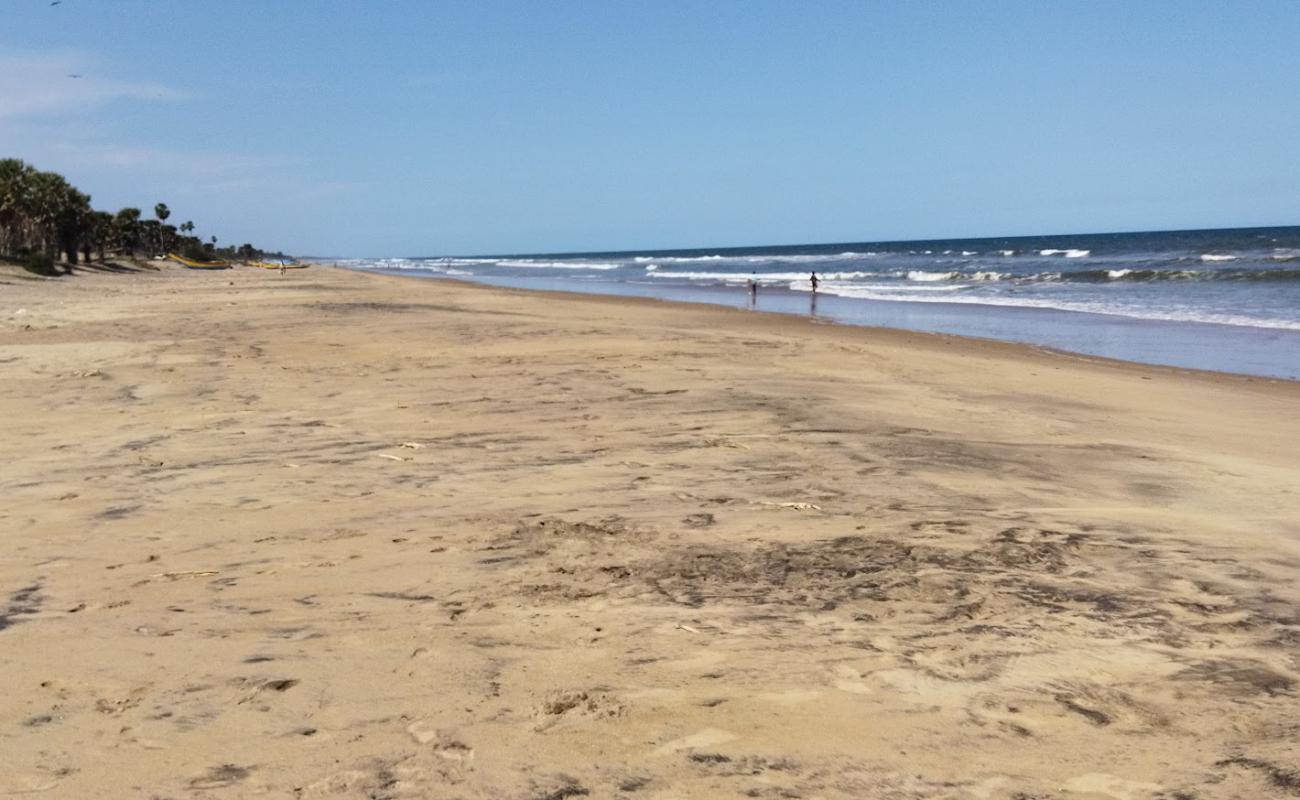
(45,219)
(40,263)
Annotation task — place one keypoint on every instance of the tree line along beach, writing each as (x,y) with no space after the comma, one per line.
(48,226)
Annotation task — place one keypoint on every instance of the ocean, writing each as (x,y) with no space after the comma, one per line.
(1225,300)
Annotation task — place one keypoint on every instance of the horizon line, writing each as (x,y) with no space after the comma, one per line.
(718,248)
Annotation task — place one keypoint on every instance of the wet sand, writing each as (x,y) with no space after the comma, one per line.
(343,535)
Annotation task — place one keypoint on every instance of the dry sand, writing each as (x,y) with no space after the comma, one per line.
(342,535)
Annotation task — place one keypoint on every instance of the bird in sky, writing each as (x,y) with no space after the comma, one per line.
(56,2)
(73,75)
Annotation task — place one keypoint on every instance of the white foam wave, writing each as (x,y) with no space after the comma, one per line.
(464,262)
(440,265)
(773,258)
(1168,315)
(1214,257)
(528,263)
(678,259)
(892,289)
(1066,253)
(762,277)
(1115,274)
(921,275)
(1007,252)
(384,263)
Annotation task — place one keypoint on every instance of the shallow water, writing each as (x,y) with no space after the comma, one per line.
(1224,300)
(1222,348)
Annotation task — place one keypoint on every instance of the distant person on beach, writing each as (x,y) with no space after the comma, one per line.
(753,288)
(812,278)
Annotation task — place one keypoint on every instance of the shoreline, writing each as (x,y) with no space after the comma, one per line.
(1261,352)
(923,335)
(338,534)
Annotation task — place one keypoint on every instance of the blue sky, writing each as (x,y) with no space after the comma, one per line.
(422,128)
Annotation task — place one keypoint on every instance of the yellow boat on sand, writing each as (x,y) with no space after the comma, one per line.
(190,263)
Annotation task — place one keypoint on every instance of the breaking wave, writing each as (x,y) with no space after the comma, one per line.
(1066,253)
(1168,315)
(762,277)
(761,258)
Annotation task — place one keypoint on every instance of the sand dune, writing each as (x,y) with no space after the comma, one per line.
(335,535)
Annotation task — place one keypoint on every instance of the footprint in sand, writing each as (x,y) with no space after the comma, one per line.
(1111,786)
(30,783)
(705,738)
(446,746)
(422,731)
(219,776)
(848,679)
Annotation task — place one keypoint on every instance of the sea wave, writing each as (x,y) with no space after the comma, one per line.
(757,258)
(1167,315)
(1128,274)
(1069,253)
(762,277)
(732,272)
(528,263)
(677,259)
(922,275)
(1149,275)
(441,264)
(894,289)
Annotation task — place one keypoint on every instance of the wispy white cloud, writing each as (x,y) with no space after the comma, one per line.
(61,123)
(53,119)
(203,164)
(64,83)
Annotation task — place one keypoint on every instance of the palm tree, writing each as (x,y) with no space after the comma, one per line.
(50,200)
(101,232)
(127,224)
(168,239)
(72,223)
(15,179)
(151,236)
(41,215)
(162,212)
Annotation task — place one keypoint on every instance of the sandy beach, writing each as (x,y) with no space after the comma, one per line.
(343,535)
